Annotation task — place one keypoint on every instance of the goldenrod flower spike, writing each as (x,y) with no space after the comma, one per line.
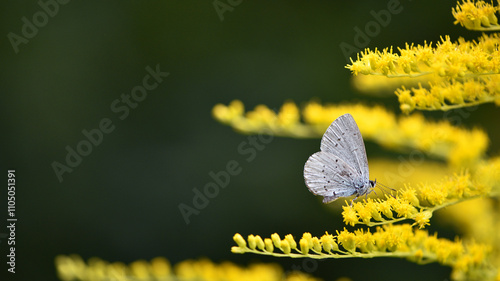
(447,59)
(447,95)
(419,204)
(456,74)
(263,120)
(477,15)
(400,241)
(74,268)
(440,140)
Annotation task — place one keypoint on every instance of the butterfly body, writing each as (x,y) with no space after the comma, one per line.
(340,169)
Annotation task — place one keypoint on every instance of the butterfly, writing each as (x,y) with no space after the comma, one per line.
(340,169)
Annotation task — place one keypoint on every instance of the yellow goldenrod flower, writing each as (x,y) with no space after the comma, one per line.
(228,113)
(316,246)
(285,247)
(373,208)
(259,242)
(252,242)
(161,267)
(460,73)
(269,245)
(434,196)
(441,140)
(365,241)
(489,174)
(74,268)
(385,208)
(304,246)
(363,213)
(477,15)
(350,215)
(239,240)
(347,240)
(410,195)
(140,269)
(291,241)
(405,209)
(422,219)
(446,95)
(276,240)
(328,243)
(70,267)
(262,119)
(308,239)
(401,241)
(407,202)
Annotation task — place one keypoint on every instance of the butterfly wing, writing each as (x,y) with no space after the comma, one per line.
(328,175)
(343,139)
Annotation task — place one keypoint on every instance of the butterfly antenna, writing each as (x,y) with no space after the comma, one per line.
(385,189)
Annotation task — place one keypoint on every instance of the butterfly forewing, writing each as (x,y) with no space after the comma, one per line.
(344,140)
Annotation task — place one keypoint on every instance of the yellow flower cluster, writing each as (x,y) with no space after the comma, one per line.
(481,219)
(489,173)
(420,203)
(388,241)
(460,73)
(263,120)
(448,59)
(441,140)
(446,95)
(383,212)
(477,15)
(74,268)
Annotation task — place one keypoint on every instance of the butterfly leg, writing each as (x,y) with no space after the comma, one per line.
(352,200)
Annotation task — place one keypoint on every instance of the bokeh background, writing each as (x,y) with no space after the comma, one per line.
(122,202)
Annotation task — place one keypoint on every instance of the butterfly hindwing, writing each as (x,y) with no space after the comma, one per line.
(328,175)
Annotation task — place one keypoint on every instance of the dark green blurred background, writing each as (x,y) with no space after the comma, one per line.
(121,203)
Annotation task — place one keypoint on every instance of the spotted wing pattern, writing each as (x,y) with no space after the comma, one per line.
(329,176)
(344,140)
(340,169)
